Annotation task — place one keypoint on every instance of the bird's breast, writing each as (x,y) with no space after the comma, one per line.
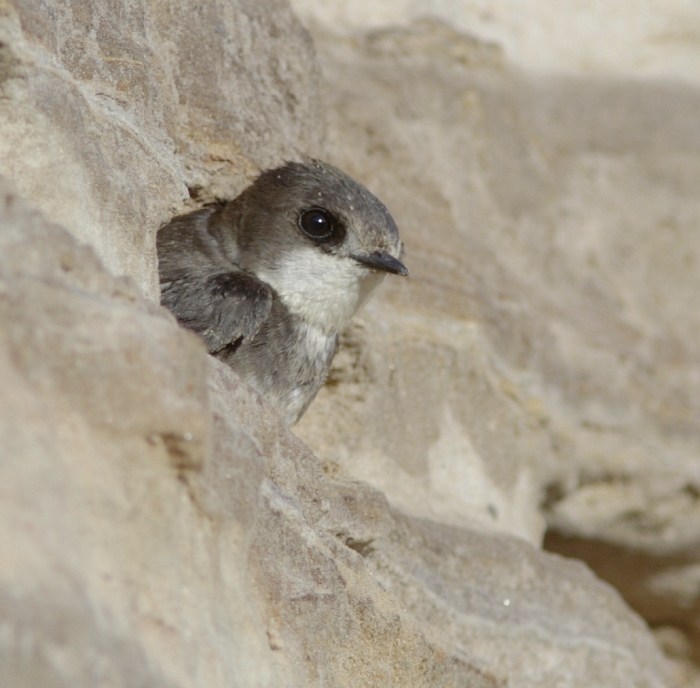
(307,368)
(321,289)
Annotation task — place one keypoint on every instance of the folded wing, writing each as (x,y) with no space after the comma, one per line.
(223,308)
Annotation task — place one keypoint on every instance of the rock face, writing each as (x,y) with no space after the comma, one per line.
(549,333)
(110,115)
(160,526)
(540,369)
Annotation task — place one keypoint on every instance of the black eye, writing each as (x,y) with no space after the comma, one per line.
(316,223)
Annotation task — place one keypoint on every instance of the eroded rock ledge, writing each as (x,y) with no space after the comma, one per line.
(539,369)
(161,527)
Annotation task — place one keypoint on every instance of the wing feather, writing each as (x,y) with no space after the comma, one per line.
(223,308)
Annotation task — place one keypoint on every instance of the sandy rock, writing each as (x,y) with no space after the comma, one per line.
(161,526)
(113,117)
(542,359)
(647,39)
(540,368)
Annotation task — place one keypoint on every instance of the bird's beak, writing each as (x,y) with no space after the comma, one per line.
(381,260)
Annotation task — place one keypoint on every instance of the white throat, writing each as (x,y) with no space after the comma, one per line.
(323,290)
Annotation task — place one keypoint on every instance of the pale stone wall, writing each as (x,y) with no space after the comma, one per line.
(541,368)
(537,371)
(110,115)
(649,39)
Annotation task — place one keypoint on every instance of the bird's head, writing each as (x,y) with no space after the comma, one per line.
(317,237)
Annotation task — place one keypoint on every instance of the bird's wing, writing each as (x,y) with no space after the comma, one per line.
(223,308)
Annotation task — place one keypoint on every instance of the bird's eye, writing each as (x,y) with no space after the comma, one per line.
(317,224)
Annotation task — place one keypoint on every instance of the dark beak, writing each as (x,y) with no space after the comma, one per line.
(380,260)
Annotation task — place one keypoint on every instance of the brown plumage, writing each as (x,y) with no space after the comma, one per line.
(269,279)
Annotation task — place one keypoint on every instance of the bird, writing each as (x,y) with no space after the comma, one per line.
(269,279)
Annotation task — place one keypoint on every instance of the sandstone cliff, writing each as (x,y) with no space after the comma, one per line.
(537,375)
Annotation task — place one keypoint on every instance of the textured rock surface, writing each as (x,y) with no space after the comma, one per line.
(541,368)
(158,529)
(654,39)
(550,326)
(113,115)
